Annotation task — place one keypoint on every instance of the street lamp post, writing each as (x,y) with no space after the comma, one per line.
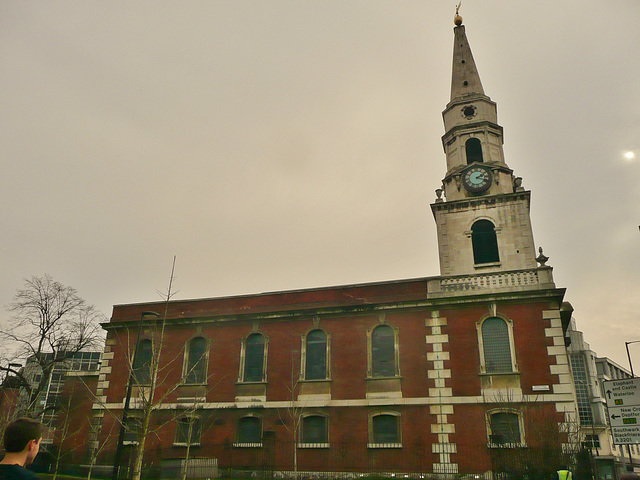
(592,444)
(116,462)
(626,345)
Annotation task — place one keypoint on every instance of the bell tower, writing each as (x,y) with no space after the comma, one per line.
(483,222)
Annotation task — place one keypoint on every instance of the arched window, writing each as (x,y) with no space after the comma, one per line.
(249,431)
(385,429)
(316,355)
(383,352)
(196,361)
(473,149)
(496,346)
(142,363)
(504,429)
(254,358)
(314,429)
(485,242)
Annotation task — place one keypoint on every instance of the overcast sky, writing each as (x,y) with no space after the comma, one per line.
(273,145)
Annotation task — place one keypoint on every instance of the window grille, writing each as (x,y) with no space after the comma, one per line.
(581,376)
(496,345)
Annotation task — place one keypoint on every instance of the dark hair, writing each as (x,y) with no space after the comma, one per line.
(19,433)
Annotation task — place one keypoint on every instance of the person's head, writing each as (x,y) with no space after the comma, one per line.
(23,436)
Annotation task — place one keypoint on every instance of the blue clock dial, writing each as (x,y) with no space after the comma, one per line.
(477,179)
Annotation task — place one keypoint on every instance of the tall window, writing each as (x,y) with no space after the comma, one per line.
(188,431)
(142,363)
(254,358)
(316,356)
(383,352)
(132,429)
(504,429)
(581,378)
(314,430)
(385,430)
(473,149)
(249,430)
(195,370)
(485,242)
(496,346)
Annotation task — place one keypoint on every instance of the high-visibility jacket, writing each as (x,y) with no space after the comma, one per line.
(564,475)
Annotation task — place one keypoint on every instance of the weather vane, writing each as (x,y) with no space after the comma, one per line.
(458,19)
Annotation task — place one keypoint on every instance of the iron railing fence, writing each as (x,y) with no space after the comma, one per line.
(350,460)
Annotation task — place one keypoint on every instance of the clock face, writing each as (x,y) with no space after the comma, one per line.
(477,179)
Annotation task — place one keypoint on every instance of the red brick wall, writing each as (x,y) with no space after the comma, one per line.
(348,338)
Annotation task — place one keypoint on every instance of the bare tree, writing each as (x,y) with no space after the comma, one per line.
(295,411)
(97,446)
(49,324)
(528,437)
(149,386)
(155,371)
(196,420)
(66,429)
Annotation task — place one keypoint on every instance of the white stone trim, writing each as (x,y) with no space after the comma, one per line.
(370,402)
(439,375)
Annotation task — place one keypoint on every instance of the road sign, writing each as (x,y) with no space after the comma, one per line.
(624,416)
(622,392)
(626,435)
(623,405)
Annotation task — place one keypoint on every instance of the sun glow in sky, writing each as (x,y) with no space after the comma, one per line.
(629,155)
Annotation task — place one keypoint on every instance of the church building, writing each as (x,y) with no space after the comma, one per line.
(461,373)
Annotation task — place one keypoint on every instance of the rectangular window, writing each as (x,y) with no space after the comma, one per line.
(249,431)
(196,367)
(316,356)
(188,431)
(132,429)
(142,363)
(314,430)
(254,358)
(581,382)
(591,441)
(385,431)
(505,430)
(496,346)
(383,352)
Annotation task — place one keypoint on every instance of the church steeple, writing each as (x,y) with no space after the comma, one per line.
(471,125)
(465,79)
(483,220)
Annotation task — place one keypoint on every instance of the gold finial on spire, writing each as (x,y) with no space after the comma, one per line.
(458,19)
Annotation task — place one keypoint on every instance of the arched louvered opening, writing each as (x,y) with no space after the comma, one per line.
(473,149)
